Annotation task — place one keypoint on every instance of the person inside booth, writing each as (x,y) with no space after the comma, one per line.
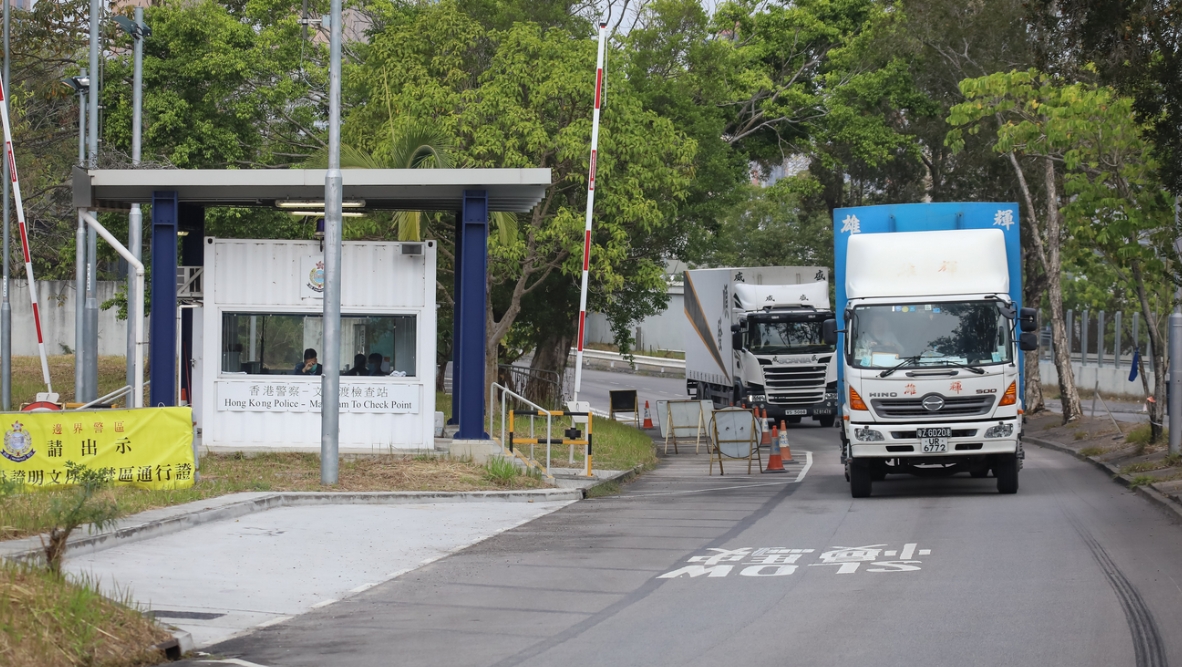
(375,364)
(358,366)
(309,366)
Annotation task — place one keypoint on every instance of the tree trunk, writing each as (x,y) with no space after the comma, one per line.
(1032,289)
(550,356)
(1068,394)
(1157,409)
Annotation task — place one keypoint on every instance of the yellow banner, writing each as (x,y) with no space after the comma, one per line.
(149,448)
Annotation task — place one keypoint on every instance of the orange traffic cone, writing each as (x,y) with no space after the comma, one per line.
(767,435)
(783,443)
(648,418)
(774,462)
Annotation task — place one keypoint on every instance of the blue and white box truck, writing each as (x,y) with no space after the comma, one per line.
(930,332)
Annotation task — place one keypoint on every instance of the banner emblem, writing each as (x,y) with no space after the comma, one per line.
(18,444)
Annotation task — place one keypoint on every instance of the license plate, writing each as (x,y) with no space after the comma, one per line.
(822,411)
(922,433)
(935,445)
(793,413)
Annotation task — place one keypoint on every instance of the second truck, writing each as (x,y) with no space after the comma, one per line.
(754,336)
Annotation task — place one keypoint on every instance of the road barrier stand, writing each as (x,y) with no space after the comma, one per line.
(734,436)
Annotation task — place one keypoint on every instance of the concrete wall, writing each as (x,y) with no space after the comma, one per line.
(1113,379)
(662,331)
(55,300)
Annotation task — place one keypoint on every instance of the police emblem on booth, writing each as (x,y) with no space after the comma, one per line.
(18,444)
(316,278)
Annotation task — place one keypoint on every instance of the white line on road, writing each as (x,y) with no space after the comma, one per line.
(808,463)
(908,551)
(323,603)
(233,661)
(273,621)
(362,588)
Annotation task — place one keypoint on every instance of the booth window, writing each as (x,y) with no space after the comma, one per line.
(274,343)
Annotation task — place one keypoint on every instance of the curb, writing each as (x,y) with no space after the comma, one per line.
(182,517)
(1153,495)
(622,477)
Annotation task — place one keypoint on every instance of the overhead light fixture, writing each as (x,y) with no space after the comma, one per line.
(80,84)
(344,214)
(349,203)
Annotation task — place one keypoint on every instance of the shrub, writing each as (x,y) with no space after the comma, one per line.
(78,508)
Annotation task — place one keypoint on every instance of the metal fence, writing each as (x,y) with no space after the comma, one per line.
(546,388)
(1100,338)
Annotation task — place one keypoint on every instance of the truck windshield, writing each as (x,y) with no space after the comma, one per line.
(973,333)
(785,338)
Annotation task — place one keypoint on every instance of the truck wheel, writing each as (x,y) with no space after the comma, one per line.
(826,421)
(860,479)
(977,472)
(878,474)
(1006,470)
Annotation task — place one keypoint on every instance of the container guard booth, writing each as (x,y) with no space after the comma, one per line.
(263,308)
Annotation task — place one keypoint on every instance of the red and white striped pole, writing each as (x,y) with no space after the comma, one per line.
(20,221)
(590,207)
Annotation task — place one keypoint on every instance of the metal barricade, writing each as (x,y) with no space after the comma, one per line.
(572,437)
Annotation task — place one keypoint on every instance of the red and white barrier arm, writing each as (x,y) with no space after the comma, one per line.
(24,232)
(590,208)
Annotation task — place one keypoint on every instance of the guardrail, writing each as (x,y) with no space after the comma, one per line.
(507,435)
(641,362)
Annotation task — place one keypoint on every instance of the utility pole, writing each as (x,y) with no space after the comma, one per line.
(80,83)
(331,374)
(90,315)
(5,306)
(135,220)
(1174,405)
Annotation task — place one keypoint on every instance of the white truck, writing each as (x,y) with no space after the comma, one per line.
(932,335)
(753,336)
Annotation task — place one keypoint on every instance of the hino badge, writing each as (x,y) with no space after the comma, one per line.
(931,338)
(753,336)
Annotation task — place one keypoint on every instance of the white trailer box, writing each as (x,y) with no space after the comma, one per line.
(262,310)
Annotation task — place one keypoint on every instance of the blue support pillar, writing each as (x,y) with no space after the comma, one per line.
(471,293)
(162,320)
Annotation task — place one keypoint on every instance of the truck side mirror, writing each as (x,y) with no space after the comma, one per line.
(736,337)
(1028,318)
(1027,341)
(829,331)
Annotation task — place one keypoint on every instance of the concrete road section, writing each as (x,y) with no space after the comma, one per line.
(221,578)
(688,569)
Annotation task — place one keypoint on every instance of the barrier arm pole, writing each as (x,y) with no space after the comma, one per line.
(135,309)
(21,226)
(590,208)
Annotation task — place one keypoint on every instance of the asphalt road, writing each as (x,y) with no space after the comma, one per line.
(597,384)
(1073,570)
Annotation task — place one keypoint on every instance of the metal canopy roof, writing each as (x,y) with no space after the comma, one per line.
(515,190)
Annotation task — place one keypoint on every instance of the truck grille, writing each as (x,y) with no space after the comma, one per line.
(802,384)
(954,406)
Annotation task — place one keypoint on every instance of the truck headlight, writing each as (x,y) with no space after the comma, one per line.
(756,398)
(867,435)
(831,397)
(1000,431)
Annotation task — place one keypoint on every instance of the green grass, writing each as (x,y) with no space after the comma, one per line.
(1141,480)
(1092,451)
(27,379)
(605,489)
(1144,466)
(1141,433)
(49,621)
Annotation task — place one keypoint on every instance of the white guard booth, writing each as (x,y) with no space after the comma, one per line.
(263,305)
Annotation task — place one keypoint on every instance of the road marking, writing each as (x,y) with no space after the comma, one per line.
(273,621)
(233,661)
(362,588)
(808,457)
(322,603)
(782,561)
